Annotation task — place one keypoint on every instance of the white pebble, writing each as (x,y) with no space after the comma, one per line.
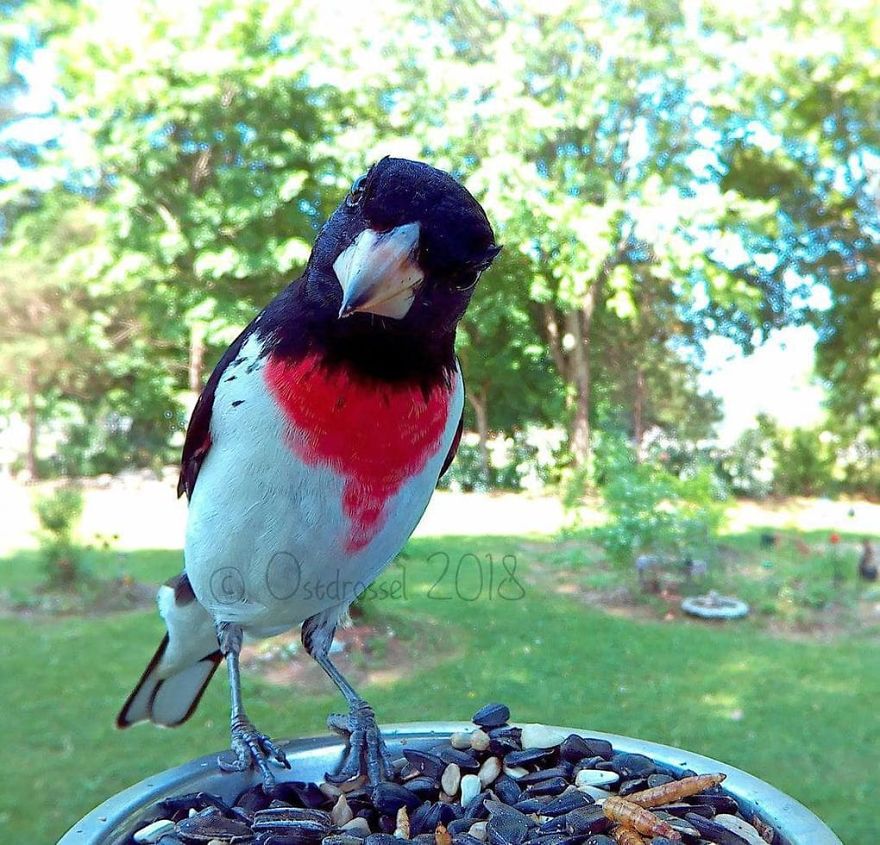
(489,771)
(358,825)
(480,740)
(341,813)
(515,772)
(541,736)
(450,779)
(402,829)
(470,788)
(478,831)
(742,829)
(330,790)
(595,777)
(155,831)
(460,740)
(595,793)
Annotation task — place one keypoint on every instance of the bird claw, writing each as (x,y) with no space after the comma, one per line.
(365,744)
(252,748)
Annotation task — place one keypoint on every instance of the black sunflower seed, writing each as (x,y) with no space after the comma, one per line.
(554,825)
(253,799)
(506,732)
(457,826)
(381,839)
(565,803)
(721,803)
(425,787)
(633,765)
(506,789)
(502,746)
(341,839)
(528,757)
(575,748)
(281,816)
(209,824)
(589,819)
(627,787)
(387,824)
(714,832)
(681,810)
(491,716)
(390,797)
(423,761)
(550,839)
(563,770)
(476,807)
(300,794)
(659,779)
(466,762)
(551,786)
(531,805)
(506,829)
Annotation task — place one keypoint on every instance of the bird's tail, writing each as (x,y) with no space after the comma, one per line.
(175,679)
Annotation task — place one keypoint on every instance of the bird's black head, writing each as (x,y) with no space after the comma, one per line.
(401,255)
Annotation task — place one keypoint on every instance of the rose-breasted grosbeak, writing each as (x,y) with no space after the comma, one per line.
(316,445)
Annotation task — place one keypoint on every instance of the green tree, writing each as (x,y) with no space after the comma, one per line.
(509,376)
(616,148)
(46,329)
(802,119)
(208,155)
(584,130)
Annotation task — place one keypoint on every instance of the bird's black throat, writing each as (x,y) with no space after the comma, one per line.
(376,348)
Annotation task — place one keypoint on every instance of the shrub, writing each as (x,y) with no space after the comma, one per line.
(516,463)
(770,460)
(651,510)
(59,515)
(749,467)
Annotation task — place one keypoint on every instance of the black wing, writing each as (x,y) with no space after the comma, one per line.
(454,447)
(198,433)
(450,456)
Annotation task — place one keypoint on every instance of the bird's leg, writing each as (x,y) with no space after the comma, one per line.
(251,748)
(365,744)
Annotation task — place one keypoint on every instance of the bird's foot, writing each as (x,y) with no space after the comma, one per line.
(251,748)
(365,745)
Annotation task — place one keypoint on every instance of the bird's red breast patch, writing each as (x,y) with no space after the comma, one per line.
(377,436)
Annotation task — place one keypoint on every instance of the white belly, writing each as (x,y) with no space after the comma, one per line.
(268,539)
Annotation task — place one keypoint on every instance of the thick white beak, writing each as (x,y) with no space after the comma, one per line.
(379,272)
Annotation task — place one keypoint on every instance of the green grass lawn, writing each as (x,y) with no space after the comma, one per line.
(800,715)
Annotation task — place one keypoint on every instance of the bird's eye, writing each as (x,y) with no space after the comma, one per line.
(356,193)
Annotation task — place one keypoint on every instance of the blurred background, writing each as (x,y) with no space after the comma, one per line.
(673,368)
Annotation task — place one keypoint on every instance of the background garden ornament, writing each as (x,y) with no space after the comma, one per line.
(867,563)
(715,606)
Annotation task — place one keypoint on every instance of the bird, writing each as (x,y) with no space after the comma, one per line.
(314,449)
(867,564)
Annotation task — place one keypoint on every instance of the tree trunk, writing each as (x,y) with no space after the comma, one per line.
(639,414)
(554,340)
(580,324)
(580,361)
(31,457)
(196,357)
(479,402)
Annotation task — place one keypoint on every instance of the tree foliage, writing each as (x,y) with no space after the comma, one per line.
(658,172)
